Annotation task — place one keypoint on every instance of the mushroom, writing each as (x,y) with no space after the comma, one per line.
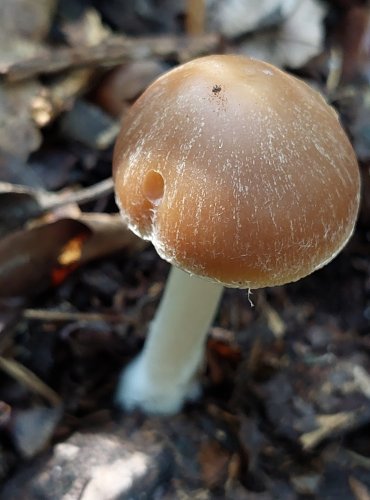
(240,175)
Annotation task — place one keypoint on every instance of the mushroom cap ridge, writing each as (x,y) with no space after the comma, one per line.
(238,172)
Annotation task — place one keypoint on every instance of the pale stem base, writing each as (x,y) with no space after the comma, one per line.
(163,376)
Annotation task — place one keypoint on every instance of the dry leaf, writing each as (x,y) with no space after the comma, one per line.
(29,19)
(108,235)
(283,32)
(125,83)
(33,259)
(24,25)
(28,257)
(19,135)
(214,461)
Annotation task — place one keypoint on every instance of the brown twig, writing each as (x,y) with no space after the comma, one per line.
(66,316)
(51,201)
(24,376)
(84,195)
(195,17)
(112,51)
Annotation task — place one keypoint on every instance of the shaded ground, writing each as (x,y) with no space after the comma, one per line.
(286,409)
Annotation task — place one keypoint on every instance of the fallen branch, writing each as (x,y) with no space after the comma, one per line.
(112,51)
(67,316)
(27,378)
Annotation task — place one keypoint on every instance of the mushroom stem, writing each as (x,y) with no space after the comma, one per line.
(162,377)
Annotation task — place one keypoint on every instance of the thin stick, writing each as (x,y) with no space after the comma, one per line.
(195,17)
(24,376)
(112,51)
(83,195)
(65,316)
(50,201)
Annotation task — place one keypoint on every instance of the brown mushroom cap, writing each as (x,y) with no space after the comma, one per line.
(238,172)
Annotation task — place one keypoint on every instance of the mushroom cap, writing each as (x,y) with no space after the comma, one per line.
(238,172)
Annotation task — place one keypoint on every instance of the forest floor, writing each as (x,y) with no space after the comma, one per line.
(285,412)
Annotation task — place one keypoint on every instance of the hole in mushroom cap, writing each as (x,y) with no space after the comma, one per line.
(153,187)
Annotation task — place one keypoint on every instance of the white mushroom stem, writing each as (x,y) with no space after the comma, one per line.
(163,376)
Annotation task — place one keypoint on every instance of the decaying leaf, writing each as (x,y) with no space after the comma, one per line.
(283,32)
(125,83)
(237,17)
(108,235)
(214,462)
(59,95)
(33,259)
(29,19)
(19,134)
(87,30)
(24,25)
(27,257)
